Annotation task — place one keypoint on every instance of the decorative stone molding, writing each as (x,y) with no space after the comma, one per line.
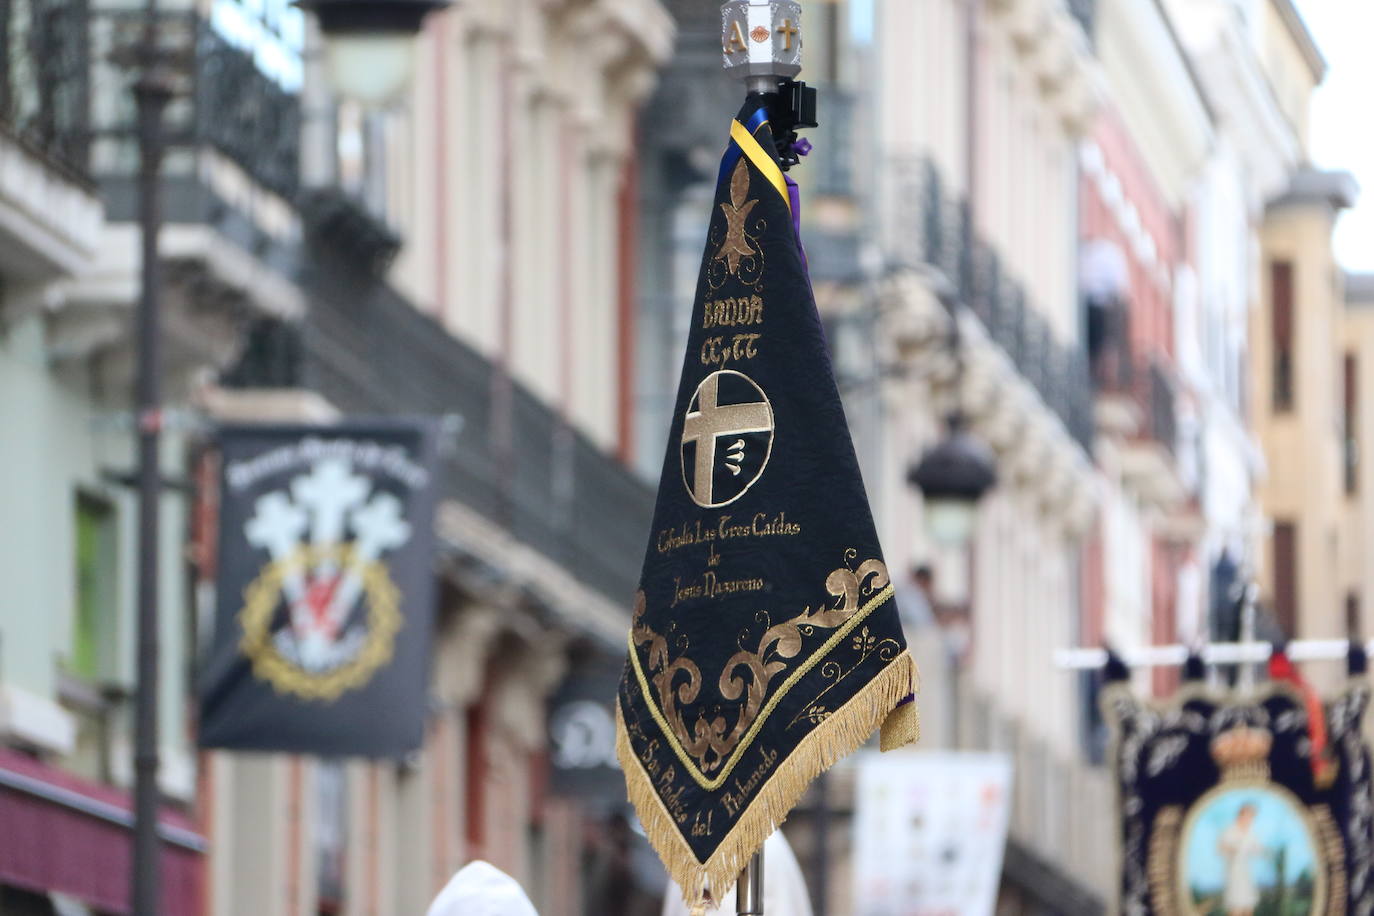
(50,225)
(1026,21)
(1057,55)
(482,20)
(524,567)
(1153,87)
(526,674)
(1249,114)
(212,288)
(460,656)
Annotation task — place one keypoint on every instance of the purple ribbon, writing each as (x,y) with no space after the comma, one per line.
(801,148)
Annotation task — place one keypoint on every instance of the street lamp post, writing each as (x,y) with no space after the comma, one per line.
(153,89)
(370,60)
(953,477)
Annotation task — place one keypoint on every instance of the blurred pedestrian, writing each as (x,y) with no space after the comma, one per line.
(614,869)
(481,889)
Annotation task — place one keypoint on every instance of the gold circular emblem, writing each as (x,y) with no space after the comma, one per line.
(727,438)
(264,596)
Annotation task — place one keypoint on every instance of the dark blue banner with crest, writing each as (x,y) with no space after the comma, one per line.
(325,590)
(1252,802)
(765,642)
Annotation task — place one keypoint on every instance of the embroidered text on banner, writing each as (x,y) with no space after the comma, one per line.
(765,643)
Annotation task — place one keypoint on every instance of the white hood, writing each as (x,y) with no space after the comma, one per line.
(481,889)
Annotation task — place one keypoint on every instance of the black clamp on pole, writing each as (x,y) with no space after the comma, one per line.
(762,44)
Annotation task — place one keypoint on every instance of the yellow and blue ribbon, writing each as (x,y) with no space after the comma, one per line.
(743,143)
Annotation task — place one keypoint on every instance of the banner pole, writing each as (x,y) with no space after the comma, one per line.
(749,889)
(1247,635)
(767,61)
(1217,653)
(762,42)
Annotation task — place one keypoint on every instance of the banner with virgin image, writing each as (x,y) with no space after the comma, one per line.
(1254,802)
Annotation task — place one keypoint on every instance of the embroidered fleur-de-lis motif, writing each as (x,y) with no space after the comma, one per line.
(736,245)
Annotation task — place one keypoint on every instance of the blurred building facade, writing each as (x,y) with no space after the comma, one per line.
(1307,340)
(1090,186)
(1306,394)
(67,356)
(500,186)
(976,210)
(466,254)
(1111,195)
(1139,168)
(1240,54)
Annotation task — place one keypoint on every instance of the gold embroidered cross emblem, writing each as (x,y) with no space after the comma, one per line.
(709,421)
(736,245)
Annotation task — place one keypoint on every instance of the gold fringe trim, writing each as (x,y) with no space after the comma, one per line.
(841,734)
(901,727)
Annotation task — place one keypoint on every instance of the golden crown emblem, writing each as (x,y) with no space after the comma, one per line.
(1243,752)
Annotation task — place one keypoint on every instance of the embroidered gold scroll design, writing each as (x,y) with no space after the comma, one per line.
(864,644)
(711,745)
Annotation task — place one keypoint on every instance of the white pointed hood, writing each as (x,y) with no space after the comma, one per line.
(481,889)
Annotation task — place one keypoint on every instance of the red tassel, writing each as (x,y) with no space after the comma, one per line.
(1281,668)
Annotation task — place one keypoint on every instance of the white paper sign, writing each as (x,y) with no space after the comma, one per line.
(929,831)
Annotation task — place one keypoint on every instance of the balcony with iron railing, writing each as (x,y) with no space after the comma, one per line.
(226,105)
(1137,406)
(932,230)
(831,165)
(515,462)
(50,216)
(829,172)
(44,83)
(1140,389)
(230,179)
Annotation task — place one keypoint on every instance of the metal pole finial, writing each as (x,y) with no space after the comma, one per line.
(761,43)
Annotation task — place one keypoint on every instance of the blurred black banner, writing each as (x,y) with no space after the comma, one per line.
(325,590)
(1234,803)
(581,718)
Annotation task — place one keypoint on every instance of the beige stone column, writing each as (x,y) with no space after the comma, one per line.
(258,841)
